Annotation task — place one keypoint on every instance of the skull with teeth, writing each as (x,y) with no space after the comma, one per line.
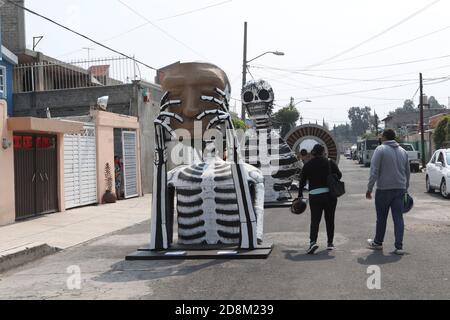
(258,98)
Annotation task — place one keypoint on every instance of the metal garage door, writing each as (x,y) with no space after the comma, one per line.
(129,147)
(80,168)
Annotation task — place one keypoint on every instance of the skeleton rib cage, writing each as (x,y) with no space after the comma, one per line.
(162,210)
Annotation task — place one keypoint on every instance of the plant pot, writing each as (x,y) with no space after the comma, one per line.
(109,197)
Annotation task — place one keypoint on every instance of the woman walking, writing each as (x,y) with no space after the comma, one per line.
(316,173)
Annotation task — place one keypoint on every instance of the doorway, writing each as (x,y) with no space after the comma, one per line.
(126,162)
(35,171)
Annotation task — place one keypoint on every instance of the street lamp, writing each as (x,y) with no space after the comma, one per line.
(246,62)
(277,53)
(307,101)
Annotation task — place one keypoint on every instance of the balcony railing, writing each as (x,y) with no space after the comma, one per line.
(58,75)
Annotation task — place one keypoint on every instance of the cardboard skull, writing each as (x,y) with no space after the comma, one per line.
(258,98)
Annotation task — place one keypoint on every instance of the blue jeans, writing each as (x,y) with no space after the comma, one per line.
(386,200)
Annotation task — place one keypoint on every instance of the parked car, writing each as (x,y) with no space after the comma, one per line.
(367,149)
(438,173)
(354,151)
(348,154)
(414,156)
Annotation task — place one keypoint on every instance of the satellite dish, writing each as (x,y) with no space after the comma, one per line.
(102,103)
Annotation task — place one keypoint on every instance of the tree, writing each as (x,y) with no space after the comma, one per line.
(441,134)
(344,133)
(239,124)
(360,119)
(434,104)
(286,119)
(409,105)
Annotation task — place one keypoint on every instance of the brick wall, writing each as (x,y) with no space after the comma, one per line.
(13,26)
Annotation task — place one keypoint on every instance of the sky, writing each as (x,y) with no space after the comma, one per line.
(338,53)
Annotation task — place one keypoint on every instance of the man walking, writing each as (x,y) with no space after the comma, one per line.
(391,172)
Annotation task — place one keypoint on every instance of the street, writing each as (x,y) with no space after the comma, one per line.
(423,273)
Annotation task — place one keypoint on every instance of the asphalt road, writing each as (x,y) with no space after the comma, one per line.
(288,274)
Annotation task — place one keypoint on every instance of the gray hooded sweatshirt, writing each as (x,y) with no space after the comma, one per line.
(389,168)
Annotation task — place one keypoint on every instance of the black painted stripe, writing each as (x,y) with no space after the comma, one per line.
(189,192)
(227,212)
(193,237)
(230,224)
(228,235)
(190,215)
(187,178)
(191,226)
(225,191)
(226,201)
(196,203)
(194,172)
(223,178)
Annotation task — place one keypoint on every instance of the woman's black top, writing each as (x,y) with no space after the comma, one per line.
(316,172)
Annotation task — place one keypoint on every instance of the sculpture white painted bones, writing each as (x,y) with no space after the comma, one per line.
(264,148)
(218,202)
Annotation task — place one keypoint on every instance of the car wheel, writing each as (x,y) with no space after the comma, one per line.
(429,188)
(444,191)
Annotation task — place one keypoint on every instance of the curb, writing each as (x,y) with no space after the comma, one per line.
(22,255)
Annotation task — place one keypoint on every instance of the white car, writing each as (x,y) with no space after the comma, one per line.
(438,173)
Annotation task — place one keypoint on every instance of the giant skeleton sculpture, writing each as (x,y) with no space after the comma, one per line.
(219,202)
(264,148)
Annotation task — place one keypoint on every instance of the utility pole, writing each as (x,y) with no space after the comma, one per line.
(244,70)
(376,124)
(422,126)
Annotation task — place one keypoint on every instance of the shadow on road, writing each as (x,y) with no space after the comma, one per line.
(379,258)
(299,257)
(126,271)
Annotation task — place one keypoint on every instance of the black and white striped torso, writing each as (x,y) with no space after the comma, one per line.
(207,204)
(276,159)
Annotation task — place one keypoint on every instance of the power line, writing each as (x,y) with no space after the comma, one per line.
(81,35)
(363,67)
(195,10)
(146,24)
(330,77)
(332,92)
(391,47)
(159,28)
(376,36)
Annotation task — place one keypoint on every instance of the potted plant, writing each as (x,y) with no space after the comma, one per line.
(109,196)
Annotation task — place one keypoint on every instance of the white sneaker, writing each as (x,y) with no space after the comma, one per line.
(399,252)
(374,246)
(331,247)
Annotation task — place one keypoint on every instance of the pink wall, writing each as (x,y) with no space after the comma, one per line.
(7,201)
(105,154)
(106,122)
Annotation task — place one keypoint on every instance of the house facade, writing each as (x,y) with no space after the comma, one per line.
(7,62)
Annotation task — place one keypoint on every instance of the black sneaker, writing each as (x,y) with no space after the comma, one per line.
(313,248)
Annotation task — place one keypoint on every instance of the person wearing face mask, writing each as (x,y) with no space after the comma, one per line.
(321,202)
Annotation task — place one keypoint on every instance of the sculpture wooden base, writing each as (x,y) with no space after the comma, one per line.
(202,253)
(278,204)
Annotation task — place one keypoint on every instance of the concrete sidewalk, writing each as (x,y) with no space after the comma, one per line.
(76,226)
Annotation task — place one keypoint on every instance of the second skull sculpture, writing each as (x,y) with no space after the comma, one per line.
(264,148)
